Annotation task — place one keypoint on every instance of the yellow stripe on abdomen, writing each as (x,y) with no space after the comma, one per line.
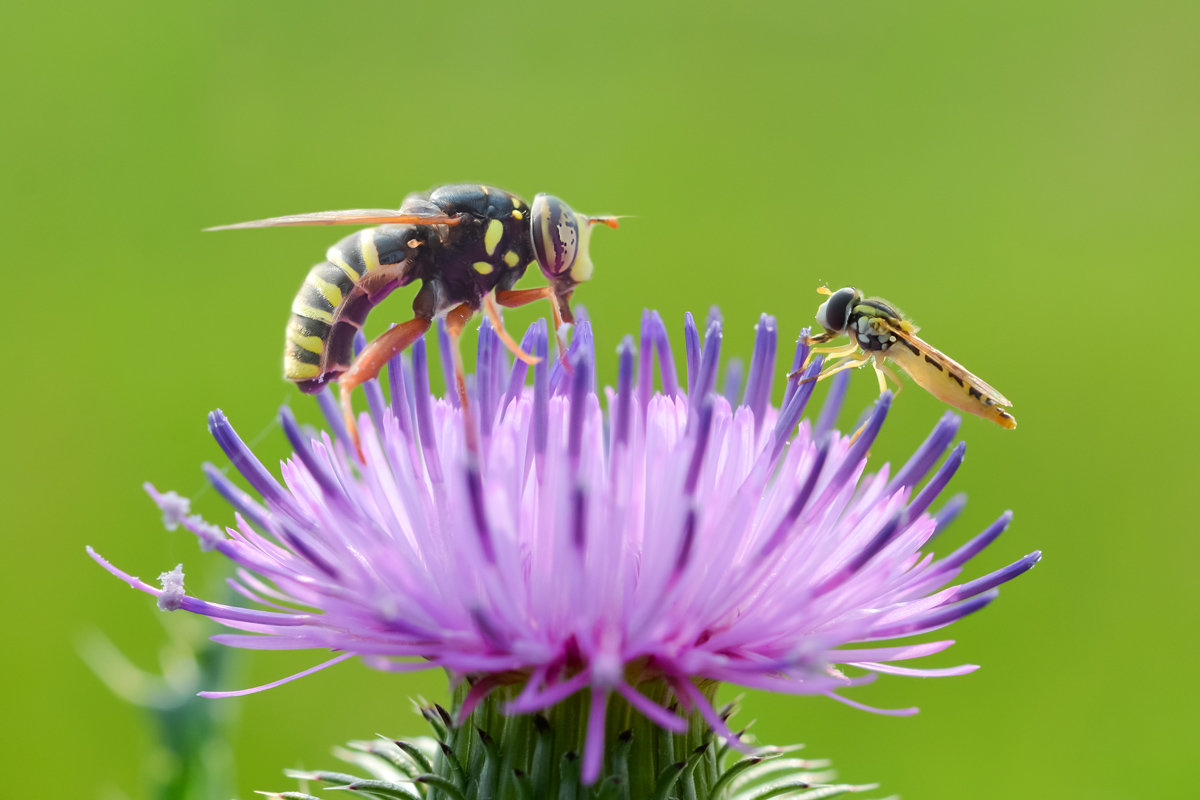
(294,370)
(313,344)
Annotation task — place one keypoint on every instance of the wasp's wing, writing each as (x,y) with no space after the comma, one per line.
(937,358)
(356,216)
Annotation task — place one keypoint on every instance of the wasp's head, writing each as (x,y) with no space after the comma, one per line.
(560,241)
(834,313)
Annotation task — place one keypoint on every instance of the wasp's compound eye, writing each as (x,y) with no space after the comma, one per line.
(834,313)
(555,233)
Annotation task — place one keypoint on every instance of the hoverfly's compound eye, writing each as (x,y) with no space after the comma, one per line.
(834,313)
(555,233)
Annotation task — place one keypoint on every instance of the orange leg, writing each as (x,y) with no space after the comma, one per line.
(456,320)
(493,313)
(520,297)
(370,361)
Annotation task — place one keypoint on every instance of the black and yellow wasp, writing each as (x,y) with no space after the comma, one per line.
(467,244)
(877,330)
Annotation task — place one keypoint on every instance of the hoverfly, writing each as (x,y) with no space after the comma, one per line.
(467,244)
(877,330)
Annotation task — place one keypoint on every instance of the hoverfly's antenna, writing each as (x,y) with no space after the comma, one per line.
(824,290)
(610,221)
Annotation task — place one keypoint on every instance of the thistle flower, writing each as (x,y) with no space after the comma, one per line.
(640,550)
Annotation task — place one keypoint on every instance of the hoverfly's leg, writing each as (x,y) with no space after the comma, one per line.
(519,297)
(841,351)
(849,362)
(493,314)
(883,373)
(456,320)
(370,361)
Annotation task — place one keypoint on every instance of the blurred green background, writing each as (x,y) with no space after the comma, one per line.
(1021,177)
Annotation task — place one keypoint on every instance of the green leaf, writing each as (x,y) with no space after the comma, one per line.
(415,753)
(666,779)
(444,784)
(383,789)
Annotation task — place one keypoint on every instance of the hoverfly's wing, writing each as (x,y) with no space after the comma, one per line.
(356,216)
(931,355)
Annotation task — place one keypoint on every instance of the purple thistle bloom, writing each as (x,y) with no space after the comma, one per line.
(672,535)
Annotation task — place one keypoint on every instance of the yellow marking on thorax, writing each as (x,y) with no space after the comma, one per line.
(492,236)
(330,292)
(483,267)
(517,215)
(370,252)
(511,258)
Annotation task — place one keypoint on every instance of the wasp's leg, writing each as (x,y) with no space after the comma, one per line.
(513,298)
(370,361)
(493,313)
(456,320)
(841,351)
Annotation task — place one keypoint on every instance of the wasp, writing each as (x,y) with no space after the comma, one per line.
(466,244)
(878,331)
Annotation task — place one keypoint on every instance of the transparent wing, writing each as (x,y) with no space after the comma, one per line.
(355,216)
(949,364)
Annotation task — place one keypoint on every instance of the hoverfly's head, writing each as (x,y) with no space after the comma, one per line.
(834,313)
(560,241)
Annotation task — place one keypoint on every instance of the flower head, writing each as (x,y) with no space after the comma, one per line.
(680,535)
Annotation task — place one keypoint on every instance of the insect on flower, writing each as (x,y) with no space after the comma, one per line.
(467,244)
(877,330)
(621,555)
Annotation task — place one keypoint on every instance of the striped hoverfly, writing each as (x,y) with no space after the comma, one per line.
(878,331)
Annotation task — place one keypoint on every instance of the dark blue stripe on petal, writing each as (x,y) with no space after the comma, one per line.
(800,501)
(302,447)
(789,416)
(1003,575)
(401,405)
(333,415)
(446,355)
(972,548)
(691,348)
(939,618)
(832,407)
(938,482)
(622,412)
(762,369)
(424,404)
(666,359)
(645,362)
(927,454)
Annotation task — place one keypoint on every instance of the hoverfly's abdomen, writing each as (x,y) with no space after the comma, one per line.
(338,294)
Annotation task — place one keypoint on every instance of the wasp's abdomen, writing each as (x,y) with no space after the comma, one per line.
(338,294)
